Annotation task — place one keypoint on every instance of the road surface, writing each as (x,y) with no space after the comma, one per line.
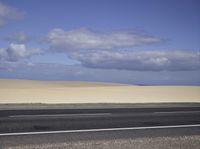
(29,126)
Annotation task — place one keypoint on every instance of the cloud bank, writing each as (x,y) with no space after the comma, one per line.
(104,50)
(155,60)
(83,38)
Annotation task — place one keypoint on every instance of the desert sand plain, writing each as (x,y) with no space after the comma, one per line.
(29,91)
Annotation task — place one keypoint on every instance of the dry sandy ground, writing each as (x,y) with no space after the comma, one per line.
(24,91)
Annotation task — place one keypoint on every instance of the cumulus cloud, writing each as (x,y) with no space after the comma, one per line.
(176,60)
(18,37)
(83,38)
(8,13)
(103,50)
(16,51)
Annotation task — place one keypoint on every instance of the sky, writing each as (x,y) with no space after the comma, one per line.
(145,42)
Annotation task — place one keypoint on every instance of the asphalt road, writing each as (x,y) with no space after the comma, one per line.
(42,120)
(150,127)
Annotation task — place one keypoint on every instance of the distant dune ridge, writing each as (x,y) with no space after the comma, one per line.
(28,91)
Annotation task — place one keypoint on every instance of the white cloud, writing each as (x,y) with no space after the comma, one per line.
(176,60)
(16,51)
(87,39)
(105,56)
(8,13)
(18,37)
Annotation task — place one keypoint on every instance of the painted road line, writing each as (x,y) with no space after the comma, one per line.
(57,115)
(98,130)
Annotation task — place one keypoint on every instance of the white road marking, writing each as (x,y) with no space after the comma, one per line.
(173,112)
(54,115)
(98,130)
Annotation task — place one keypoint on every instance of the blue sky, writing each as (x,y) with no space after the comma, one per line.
(126,41)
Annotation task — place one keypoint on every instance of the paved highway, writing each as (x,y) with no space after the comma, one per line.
(113,128)
(14,122)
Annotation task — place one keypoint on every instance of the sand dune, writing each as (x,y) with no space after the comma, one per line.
(26,91)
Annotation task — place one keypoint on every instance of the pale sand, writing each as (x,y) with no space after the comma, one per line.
(24,91)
